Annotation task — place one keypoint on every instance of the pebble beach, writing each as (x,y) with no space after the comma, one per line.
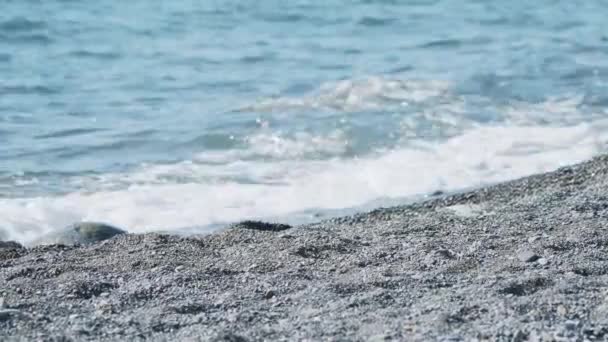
(524,260)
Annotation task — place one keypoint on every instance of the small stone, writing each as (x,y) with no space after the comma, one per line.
(6,314)
(546,336)
(269,294)
(10,244)
(379,338)
(82,233)
(104,294)
(445,253)
(527,256)
(520,336)
(533,239)
(229,337)
(437,193)
(262,226)
(571,325)
(562,310)
(466,210)
(542,261)
(102,303)
(179,268)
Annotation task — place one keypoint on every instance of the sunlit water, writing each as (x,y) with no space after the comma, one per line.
(186,115)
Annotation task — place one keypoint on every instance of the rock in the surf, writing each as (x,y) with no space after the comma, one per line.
(11,250)
(10,244)
(263,226)
(81,233)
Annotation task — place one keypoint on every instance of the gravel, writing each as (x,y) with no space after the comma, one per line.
(450,269)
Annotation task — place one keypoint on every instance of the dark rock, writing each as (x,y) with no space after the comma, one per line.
(8,314)
(526,287)
(88,289)
(10,244)
(571,325)
(11,250)
(229,337)
(308,252)
(190,308)
(82,233)
(445,253)
(520,336)
(264,226)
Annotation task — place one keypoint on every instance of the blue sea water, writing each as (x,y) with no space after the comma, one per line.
(185,115)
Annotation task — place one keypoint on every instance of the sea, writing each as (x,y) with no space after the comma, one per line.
(185,116)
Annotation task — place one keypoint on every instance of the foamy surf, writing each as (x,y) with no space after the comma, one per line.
(369,93)
(433,139)
(148,201)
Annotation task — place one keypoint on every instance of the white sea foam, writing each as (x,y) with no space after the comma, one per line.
(356,95)
(565,110)
(195,193)
(442,147)
(301,145)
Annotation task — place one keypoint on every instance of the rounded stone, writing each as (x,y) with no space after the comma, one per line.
(81,233)
(10,245)
(527,255)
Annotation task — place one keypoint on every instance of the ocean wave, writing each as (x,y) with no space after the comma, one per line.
(28,89)
(302,145)
(562,110)
(370,93)
(26,38)
(203,194)
(21,24)
(102,55)
(66,133)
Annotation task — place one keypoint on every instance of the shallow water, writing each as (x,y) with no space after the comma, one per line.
(188,115)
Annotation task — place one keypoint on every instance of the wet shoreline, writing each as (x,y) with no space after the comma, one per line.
(523,260)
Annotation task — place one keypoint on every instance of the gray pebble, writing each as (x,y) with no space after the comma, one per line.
(10,244)
(82,233)
(527,255)
(7,314)
(571,324)
(520,336)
